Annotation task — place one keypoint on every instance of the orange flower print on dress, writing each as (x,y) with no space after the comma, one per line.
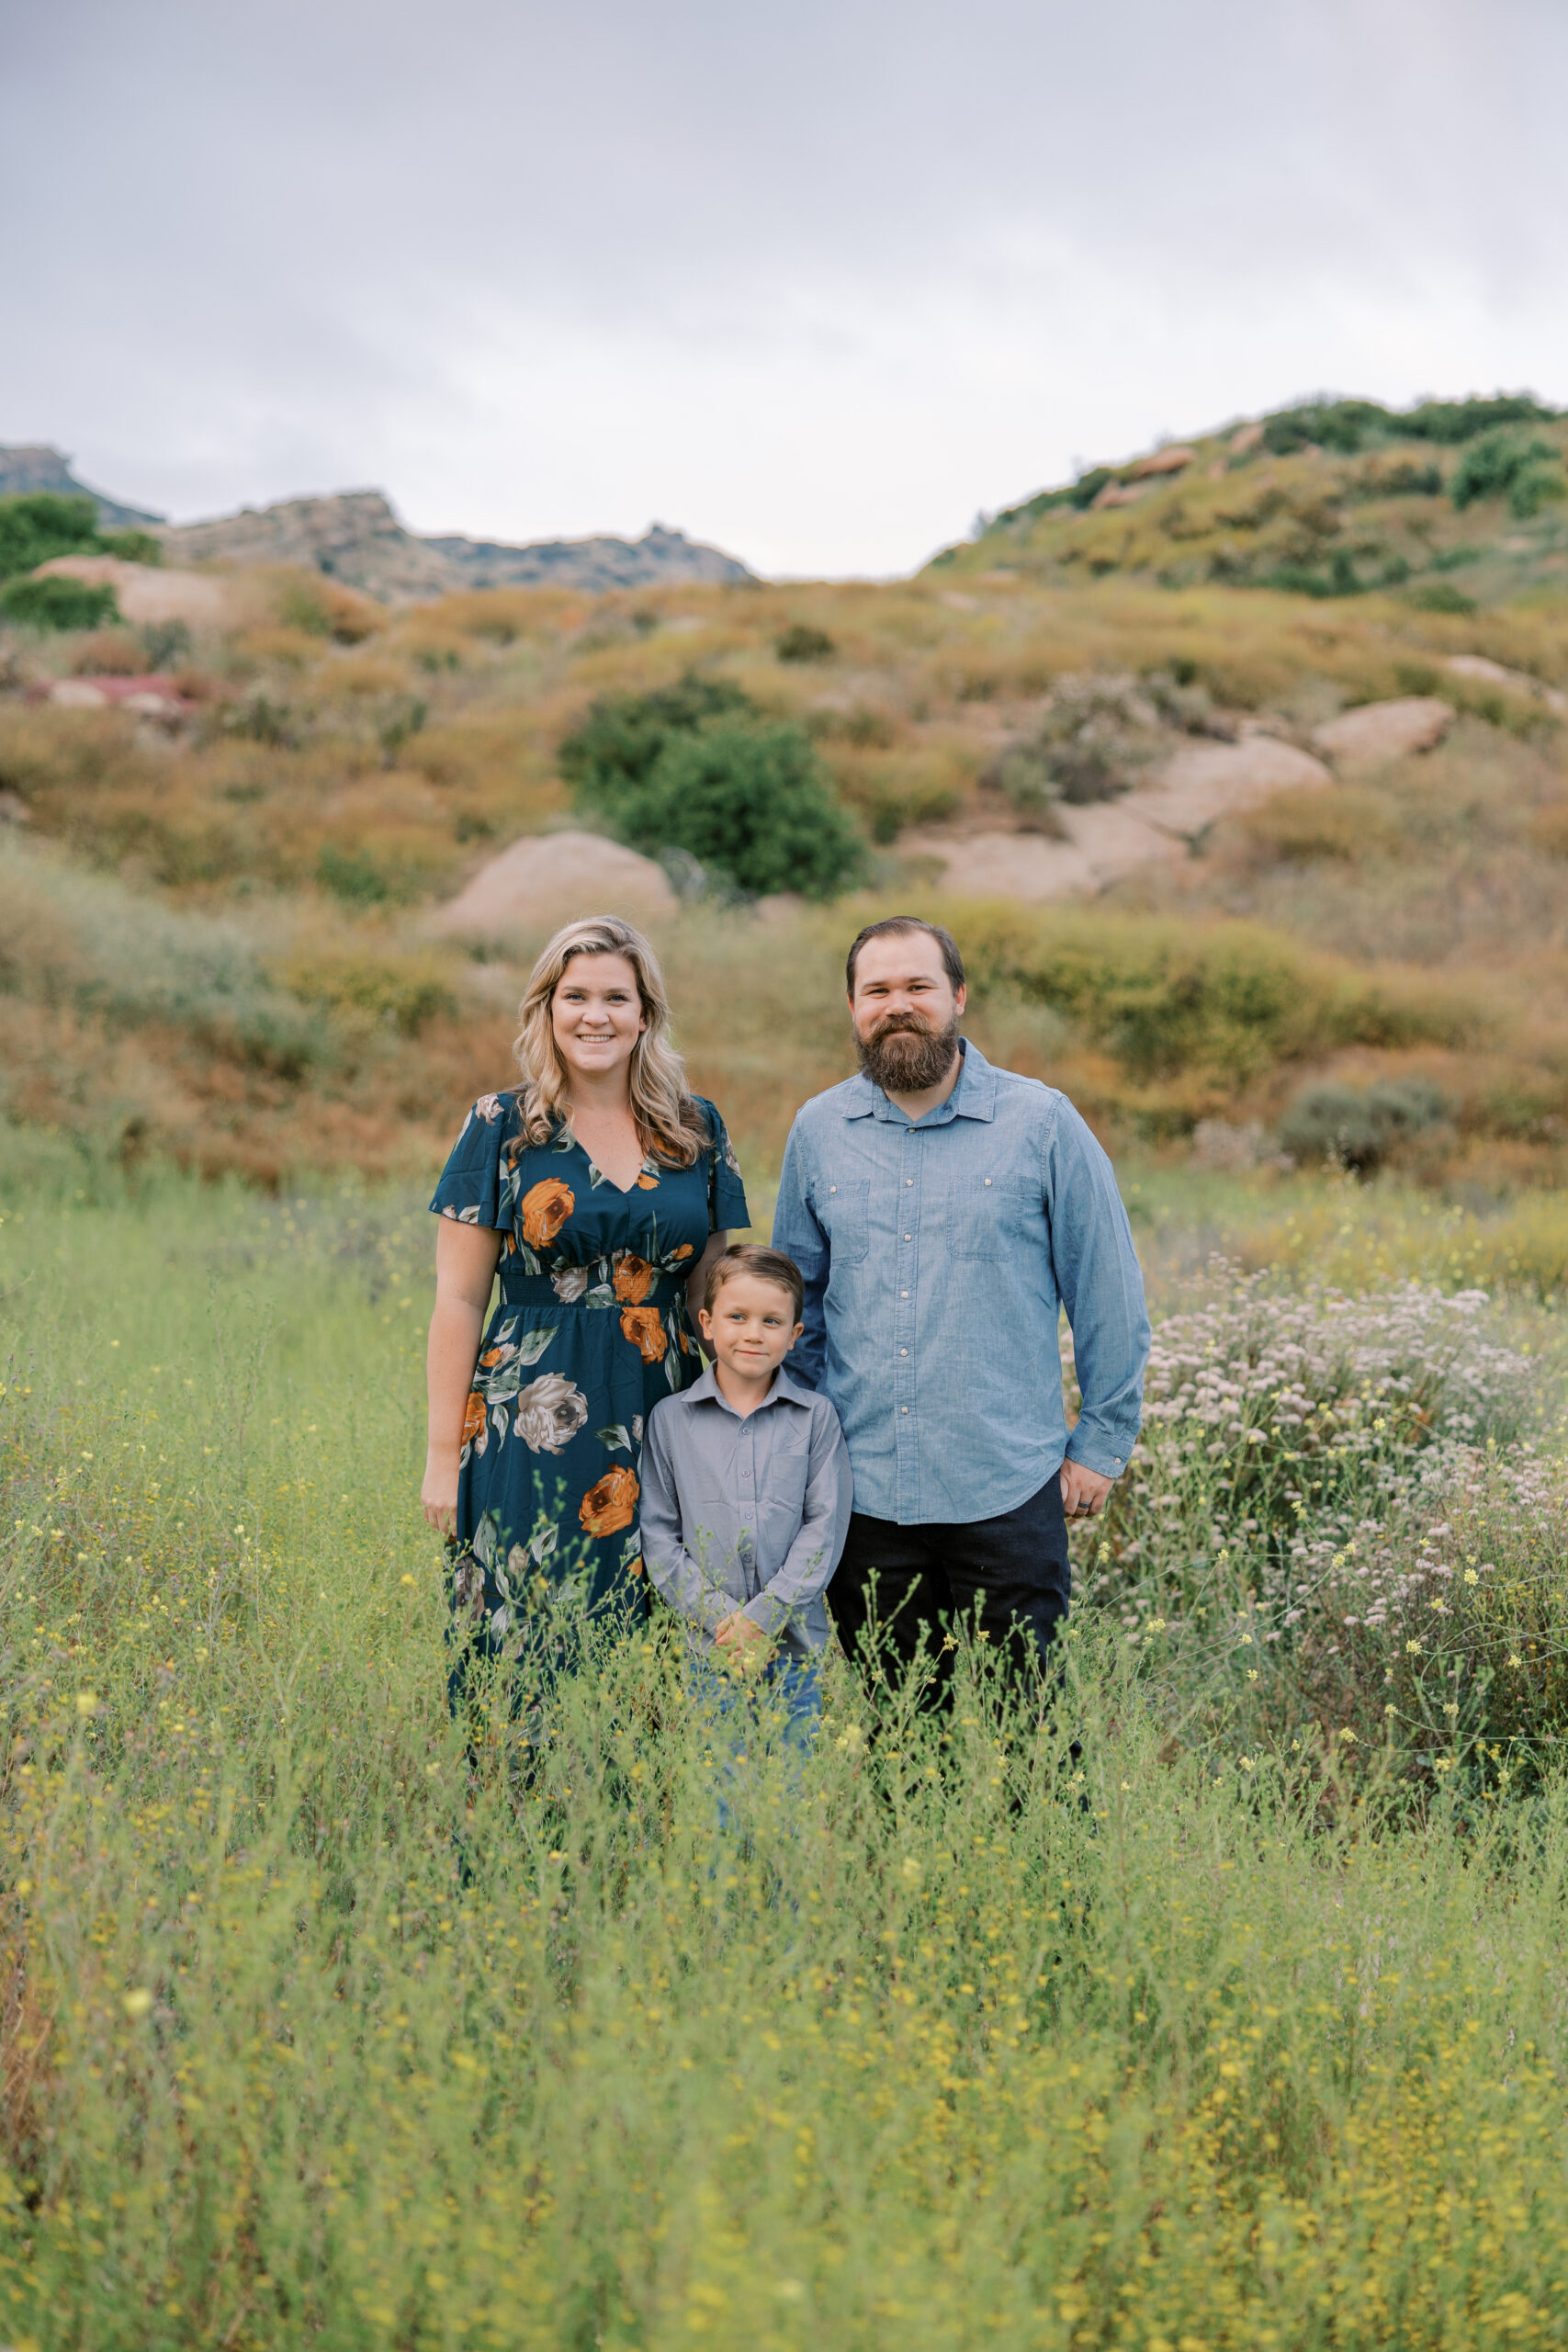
(683,1251)
(474,1418)
(546,1208)
(634,1567)
(610,1503)
(634,1279)
(643,1328)
(646,1183)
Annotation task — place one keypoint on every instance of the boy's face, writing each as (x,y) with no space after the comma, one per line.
(751,1327)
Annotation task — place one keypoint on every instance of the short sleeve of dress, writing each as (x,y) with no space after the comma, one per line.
(728,1212)
(473,1179)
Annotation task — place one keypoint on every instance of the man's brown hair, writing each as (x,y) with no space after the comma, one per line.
(764,1265)
(899,927)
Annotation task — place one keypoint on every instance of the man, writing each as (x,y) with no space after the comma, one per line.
(941,1212)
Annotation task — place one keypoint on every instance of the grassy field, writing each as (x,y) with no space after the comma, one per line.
(1222,2008)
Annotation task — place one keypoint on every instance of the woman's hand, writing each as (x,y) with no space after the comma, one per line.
(466,1258)
(439,1494)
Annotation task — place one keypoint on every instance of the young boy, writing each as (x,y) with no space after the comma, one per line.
(745,1487)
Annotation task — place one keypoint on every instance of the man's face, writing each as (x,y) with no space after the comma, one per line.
(905,1010)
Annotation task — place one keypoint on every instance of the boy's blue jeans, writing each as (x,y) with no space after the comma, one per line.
(783,1703)
(781,1706)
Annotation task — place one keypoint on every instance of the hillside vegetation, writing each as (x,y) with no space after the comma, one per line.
(1452,505)
(214,920)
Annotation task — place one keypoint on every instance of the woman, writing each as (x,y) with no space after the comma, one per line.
(601,1189)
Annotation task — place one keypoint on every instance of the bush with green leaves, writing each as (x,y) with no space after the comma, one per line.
(1528,473)
(40,524)
(697,767)
(802,642)
(57,603)
(1358,1128)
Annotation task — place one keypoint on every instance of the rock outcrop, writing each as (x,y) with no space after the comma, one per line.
(546,879)
(32,465)
(1376,732)
(1158,823)
(354,537)
(152,592)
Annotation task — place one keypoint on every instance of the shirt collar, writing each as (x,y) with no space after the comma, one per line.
(785,1391)
(973,1097)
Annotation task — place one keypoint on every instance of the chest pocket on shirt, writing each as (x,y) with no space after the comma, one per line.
(780,1506)
(988,1215)
(843,1211)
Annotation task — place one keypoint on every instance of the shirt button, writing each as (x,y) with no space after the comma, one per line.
(987,1179)
(909,1237)
(908,1180)
(903,1293)
(903,1351)
(903,1409)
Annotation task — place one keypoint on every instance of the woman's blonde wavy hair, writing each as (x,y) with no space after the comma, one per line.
(668,1124)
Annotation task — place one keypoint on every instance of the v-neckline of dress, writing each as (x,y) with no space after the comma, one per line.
(626,1191)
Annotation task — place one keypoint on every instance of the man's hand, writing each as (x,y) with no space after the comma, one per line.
(743,1639)
(1083,1491)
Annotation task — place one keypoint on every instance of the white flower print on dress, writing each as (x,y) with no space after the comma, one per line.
(550,1411)
(570,1282)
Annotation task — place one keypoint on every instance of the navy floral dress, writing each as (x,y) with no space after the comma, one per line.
(589,1332)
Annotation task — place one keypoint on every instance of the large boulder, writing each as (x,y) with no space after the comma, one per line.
(1377,732)
(547,880)
(148,593)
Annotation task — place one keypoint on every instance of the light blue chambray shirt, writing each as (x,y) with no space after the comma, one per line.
(937,1256)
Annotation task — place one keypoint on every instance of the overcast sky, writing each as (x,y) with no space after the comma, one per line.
(814,282)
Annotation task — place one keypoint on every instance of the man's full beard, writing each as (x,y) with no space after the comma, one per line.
(904,1055)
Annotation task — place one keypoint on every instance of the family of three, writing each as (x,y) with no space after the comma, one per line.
(878,1438)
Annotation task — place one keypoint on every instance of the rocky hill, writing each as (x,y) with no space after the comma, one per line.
(32,466)
(1452,505)
(354,537)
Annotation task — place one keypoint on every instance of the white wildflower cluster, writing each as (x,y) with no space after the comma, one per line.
(1256,1362)
(1292,1444)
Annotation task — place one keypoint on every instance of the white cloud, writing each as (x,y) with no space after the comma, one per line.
(814,285)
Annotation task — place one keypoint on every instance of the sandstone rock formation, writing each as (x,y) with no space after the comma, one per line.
(1377,732)
(1160,822)
(550,878)
(356,538)
(146,591)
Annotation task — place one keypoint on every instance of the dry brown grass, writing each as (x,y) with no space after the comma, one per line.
(277,802)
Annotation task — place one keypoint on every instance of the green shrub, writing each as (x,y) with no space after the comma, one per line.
(801,642)
(1359,1127)
(1440,596)
(617,744)
(1502,465)
(1451,421)
(407,992)
(133,547)
(40,524)
(57,603)
(695,767)
(166,642)
(1408,481)
(1162,997)
(751,805)
(352,876)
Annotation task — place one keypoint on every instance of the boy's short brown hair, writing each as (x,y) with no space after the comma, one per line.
(764,1265)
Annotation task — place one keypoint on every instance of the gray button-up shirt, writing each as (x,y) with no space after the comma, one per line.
(746,1511)
(937,1257)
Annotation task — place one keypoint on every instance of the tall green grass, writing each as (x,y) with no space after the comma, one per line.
(1006,2030)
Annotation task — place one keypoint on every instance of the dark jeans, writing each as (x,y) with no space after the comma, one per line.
(1013,1570)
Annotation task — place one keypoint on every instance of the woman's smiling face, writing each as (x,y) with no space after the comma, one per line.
(596,1015)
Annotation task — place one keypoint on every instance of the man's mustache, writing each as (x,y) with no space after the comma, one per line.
(905,1023)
